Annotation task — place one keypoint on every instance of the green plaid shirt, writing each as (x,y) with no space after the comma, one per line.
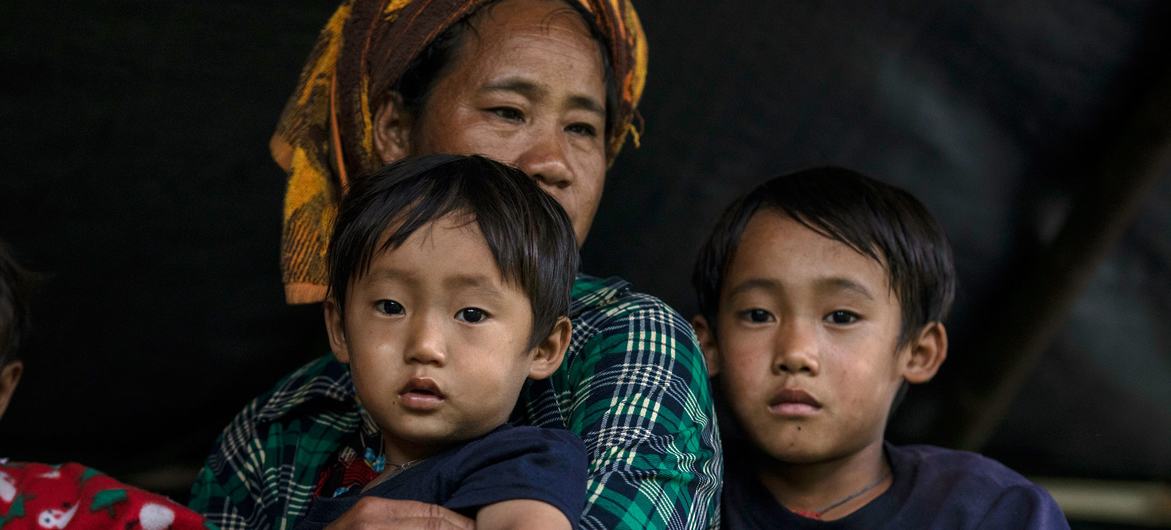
(633,386)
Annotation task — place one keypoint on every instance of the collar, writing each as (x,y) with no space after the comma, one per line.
(590,292)
(324,383)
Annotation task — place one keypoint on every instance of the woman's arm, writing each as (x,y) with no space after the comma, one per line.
(641,402)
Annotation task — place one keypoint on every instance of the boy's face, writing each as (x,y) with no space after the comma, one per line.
(806,348)
(437,340)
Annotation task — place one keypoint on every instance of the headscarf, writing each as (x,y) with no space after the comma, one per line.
(325,134)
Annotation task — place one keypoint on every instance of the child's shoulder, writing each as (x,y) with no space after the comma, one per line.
(939,463)
(512,450)
(518,440)
(517,462)
(970,487)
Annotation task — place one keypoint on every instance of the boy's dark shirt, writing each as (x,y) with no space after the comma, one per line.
(932,488)
(508,463)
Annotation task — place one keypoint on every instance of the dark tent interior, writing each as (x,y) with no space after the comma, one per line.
(137,181)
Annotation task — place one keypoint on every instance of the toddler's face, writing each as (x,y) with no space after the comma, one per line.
(807,329)
(436,339)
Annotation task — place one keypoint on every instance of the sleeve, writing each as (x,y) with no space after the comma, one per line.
(547,465)
(262,468)
(642,405)
(1027,507)
(227,490)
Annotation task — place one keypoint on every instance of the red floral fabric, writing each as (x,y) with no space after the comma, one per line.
(74,497)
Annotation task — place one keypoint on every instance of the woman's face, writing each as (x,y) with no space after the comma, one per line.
(526,87)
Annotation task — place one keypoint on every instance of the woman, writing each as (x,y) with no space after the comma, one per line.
(550,87)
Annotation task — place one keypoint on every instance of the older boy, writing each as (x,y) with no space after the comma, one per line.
(34,495)
(449,281)
(822,294)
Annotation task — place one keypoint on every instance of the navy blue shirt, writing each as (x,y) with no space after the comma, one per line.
(932,488)
(508,463)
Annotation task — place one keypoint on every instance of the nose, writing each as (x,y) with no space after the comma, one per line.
(797,349)
(425,343)
(545,160)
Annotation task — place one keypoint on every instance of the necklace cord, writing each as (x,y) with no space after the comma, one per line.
(817,514)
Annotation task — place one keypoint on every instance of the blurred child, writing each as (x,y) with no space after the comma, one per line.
(68,495)
(822,293)
(450,280)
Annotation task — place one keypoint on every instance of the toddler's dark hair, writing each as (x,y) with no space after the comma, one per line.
(529,234)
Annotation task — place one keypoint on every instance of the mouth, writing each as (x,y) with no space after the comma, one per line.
(421,393)
(793,402)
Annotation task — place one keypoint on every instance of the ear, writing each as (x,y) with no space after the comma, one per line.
(546,356)
(392,129)
(335,327)
(928,351)
(707,343)
(9,377)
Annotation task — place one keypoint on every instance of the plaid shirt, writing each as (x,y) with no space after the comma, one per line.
(633,385)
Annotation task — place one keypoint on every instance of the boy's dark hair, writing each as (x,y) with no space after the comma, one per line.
(878,220)
(14,311)
(529,234)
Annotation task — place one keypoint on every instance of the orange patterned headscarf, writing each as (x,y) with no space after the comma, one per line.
(325,134)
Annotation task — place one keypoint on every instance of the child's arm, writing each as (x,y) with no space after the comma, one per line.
(641,400)
(521,514)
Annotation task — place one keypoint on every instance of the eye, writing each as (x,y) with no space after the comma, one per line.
(842,318)
(508,113)
(471,315)
(756,316)
(582,129)
(390,307)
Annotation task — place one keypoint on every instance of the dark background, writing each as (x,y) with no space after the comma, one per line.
(136,177)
